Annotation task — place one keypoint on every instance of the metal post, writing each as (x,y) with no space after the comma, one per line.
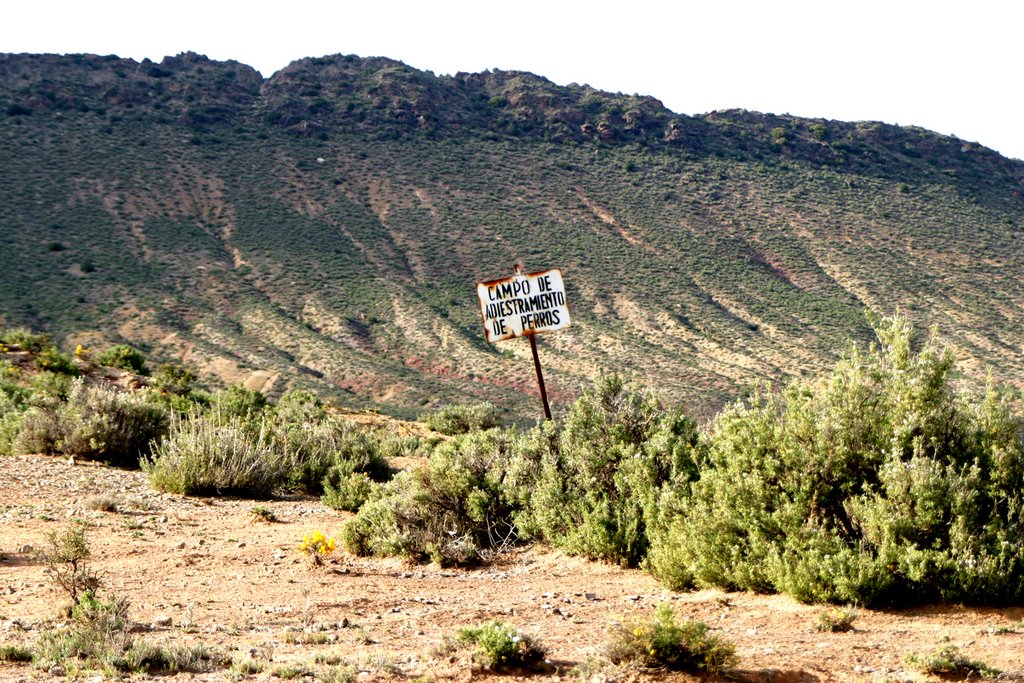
(540,378)
(536,364)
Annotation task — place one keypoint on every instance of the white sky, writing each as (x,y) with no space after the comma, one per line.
(954,68)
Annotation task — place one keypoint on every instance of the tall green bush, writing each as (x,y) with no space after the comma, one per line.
(124,357)
(878,483)
(598,485)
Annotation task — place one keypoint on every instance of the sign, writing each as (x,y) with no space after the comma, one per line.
(523,305)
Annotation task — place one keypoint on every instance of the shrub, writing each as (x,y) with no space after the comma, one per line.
(664,643)
(299,408)
(54,360)
(213,453)
(25,340)
(174,379)
(238,402)
(13,404)
(948,660)
(461,419)
(326,453)
(66,555)
(836,619)
(126,358)
(875,484)
(345,488)
(15,653)
(95,423)
(457,507)
(500,646)
(599,482)
(316,546)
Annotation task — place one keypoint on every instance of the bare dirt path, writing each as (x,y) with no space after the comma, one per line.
(210,571)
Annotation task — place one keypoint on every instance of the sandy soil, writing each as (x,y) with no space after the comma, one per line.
(210,571)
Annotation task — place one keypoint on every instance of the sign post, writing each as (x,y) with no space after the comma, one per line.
(522,306)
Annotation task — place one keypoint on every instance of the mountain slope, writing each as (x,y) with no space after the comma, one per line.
(326,227)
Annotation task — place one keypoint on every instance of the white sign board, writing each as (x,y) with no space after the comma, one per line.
(523,304)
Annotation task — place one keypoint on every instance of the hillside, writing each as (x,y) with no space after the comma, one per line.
(325,228)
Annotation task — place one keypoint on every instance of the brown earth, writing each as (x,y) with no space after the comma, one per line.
(210,571)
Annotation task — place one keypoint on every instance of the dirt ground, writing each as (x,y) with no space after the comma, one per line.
(210,571)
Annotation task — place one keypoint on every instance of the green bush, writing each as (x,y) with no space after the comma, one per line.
(455,509)
(599,482)
(461,419)
(124,357)
(212,453)
(94,423)
(13,404)
(237,401)
(353,459)
(22,339)
(174,379)
(54,360)
(665,644)
(876,484)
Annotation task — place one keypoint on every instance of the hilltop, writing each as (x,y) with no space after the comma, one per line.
(324,228)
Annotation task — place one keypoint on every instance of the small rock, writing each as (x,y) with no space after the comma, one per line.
(343,623)
(751,631)
(163,520)
(25,549)
(241,544)
(163,620)
(590,596)
(180,546)
(11,590)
